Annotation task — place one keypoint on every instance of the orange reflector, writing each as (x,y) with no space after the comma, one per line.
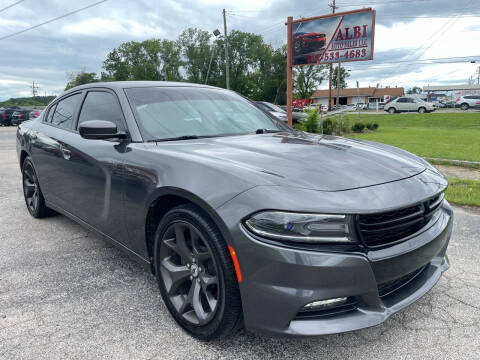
(235,263)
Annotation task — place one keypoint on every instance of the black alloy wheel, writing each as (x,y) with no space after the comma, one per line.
(195,274)
(32,192)
(189,273)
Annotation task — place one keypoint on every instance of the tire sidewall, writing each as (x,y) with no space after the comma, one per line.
(36,213)
(210,330)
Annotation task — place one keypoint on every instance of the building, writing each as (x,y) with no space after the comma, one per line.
(353,95)
(453,90)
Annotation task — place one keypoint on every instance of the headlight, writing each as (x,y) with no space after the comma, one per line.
(298,227)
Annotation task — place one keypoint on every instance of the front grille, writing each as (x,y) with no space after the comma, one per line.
(388,228)
(390,287)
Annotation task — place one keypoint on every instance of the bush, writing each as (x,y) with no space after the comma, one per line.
(311,122)
(299,126)
(358,127)
(371,126)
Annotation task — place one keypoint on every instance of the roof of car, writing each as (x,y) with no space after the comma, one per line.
(137,84)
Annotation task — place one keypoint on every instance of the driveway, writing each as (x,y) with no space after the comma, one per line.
(64,293)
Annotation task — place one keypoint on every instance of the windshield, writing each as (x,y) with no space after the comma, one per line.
(171,112)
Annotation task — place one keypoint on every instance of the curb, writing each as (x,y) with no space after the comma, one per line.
(462,163)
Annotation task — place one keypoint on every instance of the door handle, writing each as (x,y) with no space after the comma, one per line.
(66,153)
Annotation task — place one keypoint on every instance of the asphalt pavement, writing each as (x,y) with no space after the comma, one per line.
(65,293)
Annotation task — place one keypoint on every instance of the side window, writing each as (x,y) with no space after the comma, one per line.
(410,100)
(402,100)
(101,105)
(63,115)
(49,116)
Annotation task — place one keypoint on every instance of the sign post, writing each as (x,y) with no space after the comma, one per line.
(332,38)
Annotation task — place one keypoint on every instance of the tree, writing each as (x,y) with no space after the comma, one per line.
(306,80)
(196,52)
(153,59)
(80,78)
(344,74)
(414,90)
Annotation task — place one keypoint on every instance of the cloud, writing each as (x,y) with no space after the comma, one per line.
(84,39)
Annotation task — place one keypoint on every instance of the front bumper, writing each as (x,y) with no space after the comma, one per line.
(278,281)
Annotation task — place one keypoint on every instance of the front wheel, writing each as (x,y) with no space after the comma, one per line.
(392,110)
(422,110)
(464,107)
(195,274)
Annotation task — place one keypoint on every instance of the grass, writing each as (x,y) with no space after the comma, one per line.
(463,192)
(438,135)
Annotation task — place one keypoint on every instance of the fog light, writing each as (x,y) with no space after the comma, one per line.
(324,304)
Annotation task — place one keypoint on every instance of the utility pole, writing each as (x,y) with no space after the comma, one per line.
(332,5)
(34,89)
(339,68)
(227,70)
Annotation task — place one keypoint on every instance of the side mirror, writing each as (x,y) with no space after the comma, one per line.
(100,129)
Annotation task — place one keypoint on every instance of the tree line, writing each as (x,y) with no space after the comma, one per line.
(257,70)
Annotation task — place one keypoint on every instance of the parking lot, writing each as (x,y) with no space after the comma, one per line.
(65,293)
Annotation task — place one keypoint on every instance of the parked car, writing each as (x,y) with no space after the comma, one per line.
(6,116)
(373,106)
(34,114)
(278,112)
(468,101)
(450,104)
(20,116)
(306,42)
(409,104)
(360,106)
(243,220)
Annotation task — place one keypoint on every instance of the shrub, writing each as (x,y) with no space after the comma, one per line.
(358,127)
(311,122)
(375,126)
(371,126)
(299,126)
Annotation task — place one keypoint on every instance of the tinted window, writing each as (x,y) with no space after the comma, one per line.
(402,100)
(65,110)
(164,112)
(410,100)
(100,105)
(48,118)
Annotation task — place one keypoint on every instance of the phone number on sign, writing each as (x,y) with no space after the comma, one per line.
(349,54)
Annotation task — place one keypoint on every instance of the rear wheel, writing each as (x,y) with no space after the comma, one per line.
(422,110)
(32,193)
(464,106)
(392,110)
(195,274)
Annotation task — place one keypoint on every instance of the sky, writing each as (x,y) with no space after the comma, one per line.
(406,32)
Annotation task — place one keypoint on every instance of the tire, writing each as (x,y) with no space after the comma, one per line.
(207,309)
(464,106)
(392,110)
(32,193)
(422,110)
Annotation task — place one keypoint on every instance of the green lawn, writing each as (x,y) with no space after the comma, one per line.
(463,192)
(440,135)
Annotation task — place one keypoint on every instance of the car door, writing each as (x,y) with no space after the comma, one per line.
(401,104)
(413,104)
(47,150)
(94,168)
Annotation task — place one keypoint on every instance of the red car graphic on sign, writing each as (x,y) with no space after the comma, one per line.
(308,42)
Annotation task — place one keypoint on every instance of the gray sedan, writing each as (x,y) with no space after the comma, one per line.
(244,221)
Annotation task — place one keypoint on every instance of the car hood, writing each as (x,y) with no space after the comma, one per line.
(325,163)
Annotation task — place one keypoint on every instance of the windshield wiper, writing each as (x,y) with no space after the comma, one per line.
(183,137)
(266,131)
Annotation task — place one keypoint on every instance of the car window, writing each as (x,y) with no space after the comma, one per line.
(410,100)
(102,105)
(166,112)
(65,110)
(402,100)
(48,118)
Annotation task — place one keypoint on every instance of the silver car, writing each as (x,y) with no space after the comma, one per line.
(468,101)
(404,104)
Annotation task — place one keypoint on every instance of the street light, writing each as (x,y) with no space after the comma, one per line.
(217,34)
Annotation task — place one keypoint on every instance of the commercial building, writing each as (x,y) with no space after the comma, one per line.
(354,96)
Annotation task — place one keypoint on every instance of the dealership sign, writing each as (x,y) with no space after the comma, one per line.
(333,38)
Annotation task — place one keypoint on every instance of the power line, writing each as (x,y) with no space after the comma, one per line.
(9,6)
(52,20)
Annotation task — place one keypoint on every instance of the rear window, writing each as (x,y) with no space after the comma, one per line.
(65,111)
